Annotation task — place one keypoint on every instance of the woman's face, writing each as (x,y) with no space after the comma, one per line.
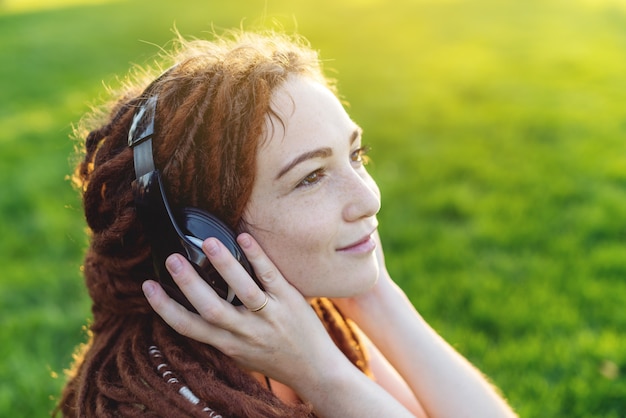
(313,205)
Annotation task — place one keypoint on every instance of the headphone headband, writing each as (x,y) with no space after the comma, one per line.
(140,137)
(170,231)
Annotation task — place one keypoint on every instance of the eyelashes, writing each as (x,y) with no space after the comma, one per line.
(360,155)
(312,178)
(358,158)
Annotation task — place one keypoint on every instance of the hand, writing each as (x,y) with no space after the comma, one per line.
(284,340)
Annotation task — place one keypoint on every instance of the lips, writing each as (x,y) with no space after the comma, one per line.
(363,244)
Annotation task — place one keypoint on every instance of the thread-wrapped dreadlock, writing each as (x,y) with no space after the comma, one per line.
(213,106)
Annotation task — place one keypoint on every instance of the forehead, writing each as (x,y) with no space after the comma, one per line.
(308,115)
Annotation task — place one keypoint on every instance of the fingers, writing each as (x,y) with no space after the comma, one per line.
(250,294)
(206,301)
(212,308)
(277,320)
(179,318)
(276,286)
(265,270)
(208,304)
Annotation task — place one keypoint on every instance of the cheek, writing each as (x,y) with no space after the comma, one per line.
(290,242)
(298,246)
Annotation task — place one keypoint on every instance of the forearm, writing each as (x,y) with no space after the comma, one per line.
(444,382)
(341,390)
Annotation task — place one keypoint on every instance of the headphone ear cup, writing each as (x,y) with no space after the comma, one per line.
(198,225)
(169,232)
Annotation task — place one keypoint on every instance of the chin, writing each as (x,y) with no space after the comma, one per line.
(362,283)
(367,287)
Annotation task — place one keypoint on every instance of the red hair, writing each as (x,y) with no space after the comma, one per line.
(211,116)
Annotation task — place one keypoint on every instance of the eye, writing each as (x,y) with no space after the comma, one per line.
(311,179)
(359,155)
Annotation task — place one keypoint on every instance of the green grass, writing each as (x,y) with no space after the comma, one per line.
(499,142)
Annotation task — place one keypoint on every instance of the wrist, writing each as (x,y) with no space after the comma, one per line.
(325,377)
(375,304)
(343,390)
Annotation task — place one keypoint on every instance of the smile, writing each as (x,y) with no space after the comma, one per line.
(364,245)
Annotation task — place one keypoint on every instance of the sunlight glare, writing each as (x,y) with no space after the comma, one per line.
(22,6)
(603,4)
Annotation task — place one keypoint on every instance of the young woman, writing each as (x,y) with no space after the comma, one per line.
(249,129)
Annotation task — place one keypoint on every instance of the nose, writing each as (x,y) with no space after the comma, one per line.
(362,196)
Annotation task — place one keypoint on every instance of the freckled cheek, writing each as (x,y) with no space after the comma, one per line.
(298,237)
(294,239)
(298,250)
(279,236)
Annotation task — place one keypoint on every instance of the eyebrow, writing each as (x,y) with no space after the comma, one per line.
(324,152)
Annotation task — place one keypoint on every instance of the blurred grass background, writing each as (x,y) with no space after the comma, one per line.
(498,132)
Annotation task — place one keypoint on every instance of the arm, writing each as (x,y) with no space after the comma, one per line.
(389,378)
(285,340)
(444,382)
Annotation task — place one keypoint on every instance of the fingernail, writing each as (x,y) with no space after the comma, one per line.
(244,240)
(173,264)
(148,289)
(211,246)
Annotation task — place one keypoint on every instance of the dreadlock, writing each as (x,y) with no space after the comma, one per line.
(213,106)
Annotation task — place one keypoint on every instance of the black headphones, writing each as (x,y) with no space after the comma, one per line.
(181,231)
